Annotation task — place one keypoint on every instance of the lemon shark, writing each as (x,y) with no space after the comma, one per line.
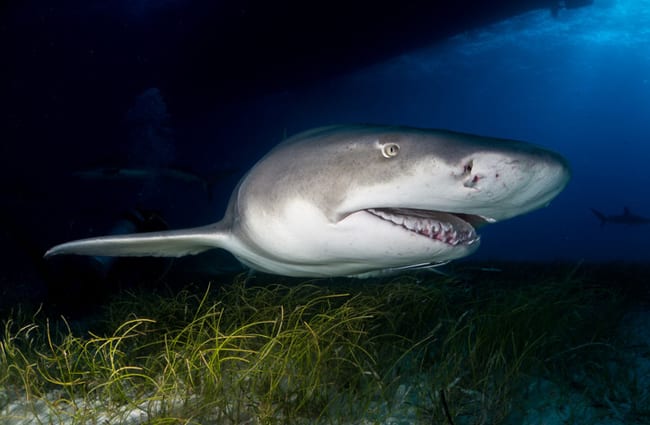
(362,200)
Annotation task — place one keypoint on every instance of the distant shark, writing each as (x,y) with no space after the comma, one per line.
(626,218)
(362,201)
(151,173)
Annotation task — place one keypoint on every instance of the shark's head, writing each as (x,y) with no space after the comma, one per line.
(351,200)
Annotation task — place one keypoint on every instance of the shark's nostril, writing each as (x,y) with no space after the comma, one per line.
(467,169)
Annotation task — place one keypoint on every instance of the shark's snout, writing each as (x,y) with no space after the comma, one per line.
(500,184)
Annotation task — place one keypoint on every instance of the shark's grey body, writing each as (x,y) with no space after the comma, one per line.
(362,200)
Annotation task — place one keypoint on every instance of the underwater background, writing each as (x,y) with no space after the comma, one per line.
(187,95)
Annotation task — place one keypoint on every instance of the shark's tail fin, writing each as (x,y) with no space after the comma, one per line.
(602,217)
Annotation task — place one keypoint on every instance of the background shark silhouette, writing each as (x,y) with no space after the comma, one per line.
(626,218)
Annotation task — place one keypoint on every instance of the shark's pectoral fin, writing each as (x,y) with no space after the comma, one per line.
(175,243)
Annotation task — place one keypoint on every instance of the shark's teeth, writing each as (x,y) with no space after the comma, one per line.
(443,227)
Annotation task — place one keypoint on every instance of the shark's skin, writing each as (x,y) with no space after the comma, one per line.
(362,200)
(627,218)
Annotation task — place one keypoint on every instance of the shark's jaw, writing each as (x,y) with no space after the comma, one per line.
(448,228)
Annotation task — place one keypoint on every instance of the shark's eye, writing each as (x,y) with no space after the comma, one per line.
(390,150)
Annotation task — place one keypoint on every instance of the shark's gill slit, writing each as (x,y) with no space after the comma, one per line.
(452,229)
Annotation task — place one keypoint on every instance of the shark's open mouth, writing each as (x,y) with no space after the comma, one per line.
(452,229)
